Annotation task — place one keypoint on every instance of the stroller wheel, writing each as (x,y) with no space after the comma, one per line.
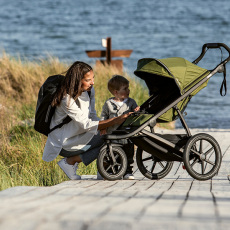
(202,156)
(112,169)
(152,167)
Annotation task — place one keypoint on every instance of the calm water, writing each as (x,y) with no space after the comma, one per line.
(159,29)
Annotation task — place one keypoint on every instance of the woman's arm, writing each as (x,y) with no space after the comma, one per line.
(112,121)
(78,115)
(86,124)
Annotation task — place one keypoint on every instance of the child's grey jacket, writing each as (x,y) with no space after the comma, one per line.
(110,110)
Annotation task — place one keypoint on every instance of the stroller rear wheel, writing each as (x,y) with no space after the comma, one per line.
(112,167)
(202,156)
(152,167)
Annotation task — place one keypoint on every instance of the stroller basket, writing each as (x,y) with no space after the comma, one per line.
(159,150)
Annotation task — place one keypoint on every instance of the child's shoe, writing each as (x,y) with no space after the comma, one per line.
(128,176)
(69,170)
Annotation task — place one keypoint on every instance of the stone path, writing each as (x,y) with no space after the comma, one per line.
(175,202)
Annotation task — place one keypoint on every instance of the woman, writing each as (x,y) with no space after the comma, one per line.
(79,140)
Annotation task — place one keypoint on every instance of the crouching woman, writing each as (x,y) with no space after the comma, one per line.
(79,140)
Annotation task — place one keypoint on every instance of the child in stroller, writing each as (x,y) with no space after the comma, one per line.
(172,83)
(120,104)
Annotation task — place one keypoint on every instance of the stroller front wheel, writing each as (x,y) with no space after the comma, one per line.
(202,156)
(112,167)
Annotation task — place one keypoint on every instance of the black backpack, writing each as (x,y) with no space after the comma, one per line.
(44,109)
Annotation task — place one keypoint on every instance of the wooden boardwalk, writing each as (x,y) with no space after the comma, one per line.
(175,202)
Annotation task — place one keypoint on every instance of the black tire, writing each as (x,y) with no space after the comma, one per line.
(202,156)
(157,170)
(108,169)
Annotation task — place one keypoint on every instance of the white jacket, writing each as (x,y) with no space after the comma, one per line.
(78,132)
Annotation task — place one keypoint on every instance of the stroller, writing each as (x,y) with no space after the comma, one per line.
(172,82)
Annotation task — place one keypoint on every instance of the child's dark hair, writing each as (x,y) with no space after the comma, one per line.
(116,82)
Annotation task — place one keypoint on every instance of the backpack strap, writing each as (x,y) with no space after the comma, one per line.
(67,119)
(224,83)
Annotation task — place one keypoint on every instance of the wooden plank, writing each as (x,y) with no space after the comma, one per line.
(221,196)
(145,204)
(79,183)
(137,205)
(141,185)
(200,203)
(16,191)
(168,204)
(32,194)
(96,53)
(116,63)
(90,212)
(114,53)
(121,53)
(221,188)
(68,183)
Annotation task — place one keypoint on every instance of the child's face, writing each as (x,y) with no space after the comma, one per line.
(122,93)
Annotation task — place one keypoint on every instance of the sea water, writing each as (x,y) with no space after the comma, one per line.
(156,29)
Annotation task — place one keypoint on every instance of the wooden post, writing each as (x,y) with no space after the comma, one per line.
(108,50)
(109,54)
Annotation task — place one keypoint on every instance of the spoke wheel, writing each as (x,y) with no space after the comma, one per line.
(112,166)
(202,156)
(151,167)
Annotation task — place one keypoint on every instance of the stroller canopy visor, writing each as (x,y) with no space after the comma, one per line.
(167,79)
(182,71)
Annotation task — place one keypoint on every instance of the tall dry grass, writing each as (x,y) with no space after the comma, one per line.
(21,147)
(21,80)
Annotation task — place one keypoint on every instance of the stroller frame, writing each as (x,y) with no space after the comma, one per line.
(165,149)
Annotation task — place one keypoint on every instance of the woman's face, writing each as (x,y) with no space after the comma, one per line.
(88,81)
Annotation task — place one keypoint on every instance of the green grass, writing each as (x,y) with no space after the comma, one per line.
(21,159)
(27,111)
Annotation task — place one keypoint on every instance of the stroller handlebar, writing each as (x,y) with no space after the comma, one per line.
(212,46)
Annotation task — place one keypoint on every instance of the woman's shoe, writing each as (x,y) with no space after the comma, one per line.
(69,170)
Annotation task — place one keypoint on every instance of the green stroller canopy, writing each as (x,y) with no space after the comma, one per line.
(167,79)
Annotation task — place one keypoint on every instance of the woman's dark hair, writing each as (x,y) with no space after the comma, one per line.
(71,84)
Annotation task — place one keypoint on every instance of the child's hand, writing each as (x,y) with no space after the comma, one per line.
(103,132)
(137,108)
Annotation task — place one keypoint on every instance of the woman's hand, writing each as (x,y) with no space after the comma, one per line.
(112,121)
(122,118)
(103,132)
